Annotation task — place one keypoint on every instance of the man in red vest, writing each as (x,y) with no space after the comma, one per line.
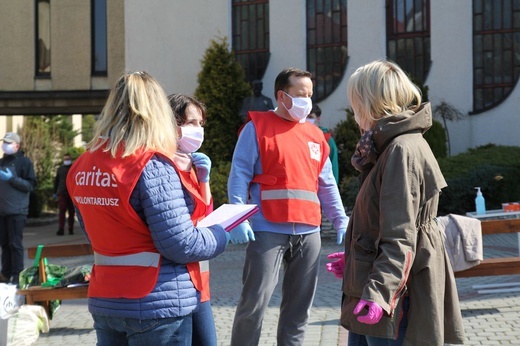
(281,163)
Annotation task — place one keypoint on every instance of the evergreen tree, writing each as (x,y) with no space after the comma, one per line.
(45,139)
(221,87)
(87,127)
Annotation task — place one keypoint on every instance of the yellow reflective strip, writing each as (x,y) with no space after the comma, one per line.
(290,194)
(142,259)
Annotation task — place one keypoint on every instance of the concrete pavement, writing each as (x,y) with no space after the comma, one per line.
(489,319)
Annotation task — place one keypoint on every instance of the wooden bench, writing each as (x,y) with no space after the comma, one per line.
(43,295)
(495,266)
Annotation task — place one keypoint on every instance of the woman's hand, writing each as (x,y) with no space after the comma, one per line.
(202,164)
(337,267)
(375,312)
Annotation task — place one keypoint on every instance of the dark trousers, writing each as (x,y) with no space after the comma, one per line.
(65,205)
(11,236)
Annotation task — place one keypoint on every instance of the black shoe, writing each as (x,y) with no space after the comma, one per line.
(71,232)
(60,232)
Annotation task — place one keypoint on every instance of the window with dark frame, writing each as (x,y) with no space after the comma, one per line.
(99,37)
(43,38)
(327,49)
(250,36)
(496,51)
(408,36)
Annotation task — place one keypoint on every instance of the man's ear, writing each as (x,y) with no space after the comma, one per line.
(279,95)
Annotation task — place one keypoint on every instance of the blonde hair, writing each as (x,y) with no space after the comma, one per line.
(379,89)
(136,116)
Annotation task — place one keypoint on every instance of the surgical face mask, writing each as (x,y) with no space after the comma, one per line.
(9,148)
(311,120)
(301,107)
(191,139)
(67,162)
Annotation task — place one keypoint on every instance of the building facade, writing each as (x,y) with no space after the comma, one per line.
(61,57)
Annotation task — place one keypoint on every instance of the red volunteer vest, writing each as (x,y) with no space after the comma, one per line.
(199,271)
(327,136)
(126,260)
(292,156)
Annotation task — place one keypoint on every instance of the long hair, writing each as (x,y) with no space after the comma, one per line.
(379,89)
(136,116)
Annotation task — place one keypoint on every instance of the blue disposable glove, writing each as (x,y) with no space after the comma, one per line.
(203,165)
(341,235)
(242,233)
(6,174)
(228,238)
(375,312)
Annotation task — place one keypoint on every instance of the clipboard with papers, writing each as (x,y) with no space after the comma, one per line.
(229,215)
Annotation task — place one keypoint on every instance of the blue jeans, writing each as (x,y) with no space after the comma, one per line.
(365,340)
(204,331)
(119,331)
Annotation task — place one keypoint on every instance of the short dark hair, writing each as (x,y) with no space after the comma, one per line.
(316,110)
(282,80)
(179,103)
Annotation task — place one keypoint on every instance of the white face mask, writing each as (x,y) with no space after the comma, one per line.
(8,148)
(310,120)
(301,107)
(67,162)
(191,139)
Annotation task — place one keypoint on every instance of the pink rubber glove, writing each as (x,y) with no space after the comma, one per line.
(375,312)
(337,267)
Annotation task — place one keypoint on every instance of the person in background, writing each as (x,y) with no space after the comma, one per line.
(257,101)
(194,168)
(65,205)
(281,163)
(398,284)
(314,118)
(17,180)
(136,213)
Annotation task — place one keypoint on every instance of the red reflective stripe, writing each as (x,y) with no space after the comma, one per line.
(407,266)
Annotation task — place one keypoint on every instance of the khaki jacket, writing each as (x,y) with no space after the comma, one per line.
(394,247)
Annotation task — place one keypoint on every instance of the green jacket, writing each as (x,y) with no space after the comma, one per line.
(333,155)
(393,245)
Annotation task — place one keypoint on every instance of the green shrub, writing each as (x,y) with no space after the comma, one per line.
(436,138)
(348,189)
(346,135)
(219,178)
(221,87)
(495,169)
(41,135)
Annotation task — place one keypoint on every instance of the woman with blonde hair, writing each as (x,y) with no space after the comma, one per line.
(398,285)
(136,214)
